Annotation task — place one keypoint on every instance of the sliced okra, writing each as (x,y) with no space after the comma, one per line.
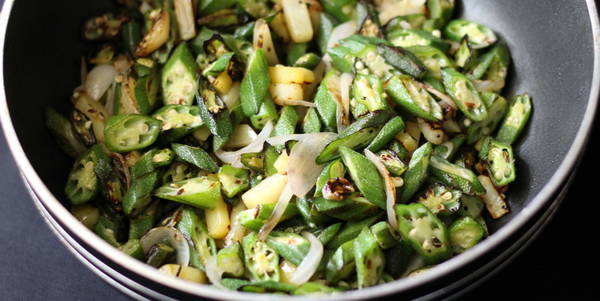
(291,246)
(480,36)
(256,217)
(233,180)
(465,232)
(193,227)
(403,60)
(465,54)
(497,106)
(327,234)
(519,112)
(261,261)
(342,10)
(341,264)
(414,98)
(392,162)
(448,149)
(417,171)
(365,176)
(367,19)
(64,133)
(351,229)
(179,83)
(383,234)
(455,176)
(500,162)
(464,94)
(253,161)
(441,200)
(311,122)
(407,21)
(351,208)
(386,134)
(434,59)
(441,9)
(125,133)
(139,194)
(311,216)
(472,206)
(200,192)
(368,91)
(416,37)
(369,259)
(398,258)
(83,182)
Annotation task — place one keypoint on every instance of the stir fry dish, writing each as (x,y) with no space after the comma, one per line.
(290,146)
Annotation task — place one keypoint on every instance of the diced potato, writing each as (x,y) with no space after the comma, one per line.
(412,128)
(266,192)
(298,20)
(287,269)
(281,164)
(184,12)
(314,9)
(290,75)
(242,135)
(389,9)
(407,141)
(192,274)
(262,39)
(170,269)
(222,83)
(281,93)
(217,220)
(279,27)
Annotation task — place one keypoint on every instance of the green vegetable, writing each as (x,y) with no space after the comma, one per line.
(83,183)
(369,259)
(365,176)
(368,91)
(125,133)
(262,262)
(441,200)
(233,180)
(465,233)
(455,176)
(195,156)
(500,162)
(516,119)
(417,172)
(392,162)
(291,246)
(139,194)
(351,208)
(386,134)
(414,98)
(351,230)
(464,94)
(480,36)
(230,260)
(415,37)
(201,192)
(255,85)
(179,75)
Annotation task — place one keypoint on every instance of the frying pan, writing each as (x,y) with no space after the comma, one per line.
(555,52)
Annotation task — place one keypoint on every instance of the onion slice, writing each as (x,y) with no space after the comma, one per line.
(341,31)
(444,99)
(303,171)
(213,271)
(343,103)
(282,203)
(232,98)
(390,188)
(431,131)
(171,236)
(233,158)
(98,80)
(311,261)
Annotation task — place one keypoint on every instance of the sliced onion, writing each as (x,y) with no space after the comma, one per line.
(233,158)
(311,261)
(489,85)
(184,12)
(282,203)
(237,231)
(343,108)
(110,99)
(444,99)
(232,98)
(390,188)
(213,271)
(171,236)
(431,133)
(99,80)
(319,72)
(279,140)
(303,171)
(341,31)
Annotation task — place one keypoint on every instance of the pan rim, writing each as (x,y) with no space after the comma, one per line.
(441,270)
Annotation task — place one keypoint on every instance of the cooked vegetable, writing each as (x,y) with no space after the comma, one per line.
(292,146)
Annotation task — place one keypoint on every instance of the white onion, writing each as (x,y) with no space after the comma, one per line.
(311,261)
(237,231)
(341,31)
(444,99)
(319,72)
(344,101)
(390,188)
(184,12)
(279,140)
(282,203)
(494,203)
(232,98)
(99,80)
(171,236)
(303,171)
(213,271)
(431,134)
(489,85)
(233,158)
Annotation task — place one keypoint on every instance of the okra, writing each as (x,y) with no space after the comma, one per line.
(139,225)
(455,176)
(64,133)
(339,9)
(448,149)
(326,25)
(256,217)
(256,8)
(465,232)
(519,112)
(255,85)
(351,230)
(368,91)
(441,9)
(351,208)
(83,182)
(465,54)
(480,36)
(193,227)
(417,171)
(159,254)
(369,259)
(399,22)
(403,60)
(195,156)
(434,59)
(179,83)
(341,264)
(215,115)
(233,180)
(291,246)
(424,231)
(178,171)
(500,162)
(314,288)
(108,229)
(325,100)
(383,234)
(211,6)
(312,217)
(311,122)
(327,234)
(365,176)
(392,162)
(229,260)
(471,206)
(295,51)
(414,98)
(151,160)
(416,37)
(261,261)
(464,94)
(441,200)
(125,133)
(496,111)
(271,155)
(133,248)
(139,194)
(386,134)
(368,20)
(200,192)
(267,112)
(309,61)
(253,161)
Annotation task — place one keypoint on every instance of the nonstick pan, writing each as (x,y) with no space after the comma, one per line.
(556,59)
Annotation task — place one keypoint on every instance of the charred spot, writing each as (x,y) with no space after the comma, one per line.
(436,242)
(337,189)
(470,105)
(180,191)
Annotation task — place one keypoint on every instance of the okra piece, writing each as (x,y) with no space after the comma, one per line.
(424,231)
(417,171)
(365,176)
(269,286)
(382,233)
(465,54)
(497,70)
(402,60)
(327,234)
(472,206)
(392,162)
(314,288)
(311,122)
(464,94)
(220,65)
(340,9)
(441,200)
(267,112)
(500,162)
(291,246)
(386,134)
(195,156)
(441,9)
(256,217)
(358,135)
(312,217)
(108,230)
(125,133)
(399,149)
(413,97)
(351,230)
(151,161)
(351,208)
(271,155)
(286,124)
(133,248)
(448,149)
(367,19)
(83,182)
(139,225)
(455,176)
(193,227)
(215,115)
(229,260)
(434,59)
(333,170)
(480,36)
(177,121)
(416,37)
(326,25)
(233,180)
(178,171)
(465,232)
(261,261)
(295,51)
(64,133)
(325,100)
(159,254)
(368,91)
(398,258)
(341,264)
(208,7)
(255,8)
(139,194)
(200,192)
(253,161)
(369,259)
(131,35)
(309,61)
(255,85)
(496,111)
(179,84)
(516,119)
(413,20)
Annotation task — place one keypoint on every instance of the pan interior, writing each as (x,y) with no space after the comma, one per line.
(551,44)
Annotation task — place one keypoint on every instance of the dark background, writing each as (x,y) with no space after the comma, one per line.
(560,264)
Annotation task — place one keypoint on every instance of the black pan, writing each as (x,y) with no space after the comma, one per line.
(554,45)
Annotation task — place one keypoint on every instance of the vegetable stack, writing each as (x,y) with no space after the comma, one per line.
(290,146)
